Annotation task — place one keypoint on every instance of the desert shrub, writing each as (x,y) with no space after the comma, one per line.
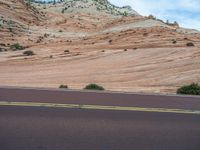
(174,41)
(16,47)
(190,44)
(192,89)
(45,35)
(2,44)
(145,34)
(66,51)
(10,29)
(151,17)
(125,14)
(63,87)
(94,87)
(28,53)
(63,11)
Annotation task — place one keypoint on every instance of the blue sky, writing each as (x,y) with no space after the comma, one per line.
(185,12)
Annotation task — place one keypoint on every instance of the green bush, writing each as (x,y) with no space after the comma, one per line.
(28,53)
(16,47)
(125,14)
(63,11)
(63,87)
(174,41)
(192,89)
(190,44)
(94,87)
(10,29)
(66,51)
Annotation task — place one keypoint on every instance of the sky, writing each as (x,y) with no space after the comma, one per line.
(185,12)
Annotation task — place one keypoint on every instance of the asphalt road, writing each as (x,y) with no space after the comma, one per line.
(43,128)
(31,128)
(99,98)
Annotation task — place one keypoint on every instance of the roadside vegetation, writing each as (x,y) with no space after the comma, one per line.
(192,89)
(94,87)
(63,87)
(190,44)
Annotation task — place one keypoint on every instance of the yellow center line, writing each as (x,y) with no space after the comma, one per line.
(100,107)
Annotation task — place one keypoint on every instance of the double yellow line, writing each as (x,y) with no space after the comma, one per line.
(99,107)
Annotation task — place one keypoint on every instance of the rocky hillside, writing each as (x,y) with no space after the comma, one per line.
(15,12)
(76,42)
(96,6)
(15,18)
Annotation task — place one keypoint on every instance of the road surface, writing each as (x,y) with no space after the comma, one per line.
(98,98)
(56,128)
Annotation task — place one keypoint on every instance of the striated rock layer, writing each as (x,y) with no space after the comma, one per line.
(119,49)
